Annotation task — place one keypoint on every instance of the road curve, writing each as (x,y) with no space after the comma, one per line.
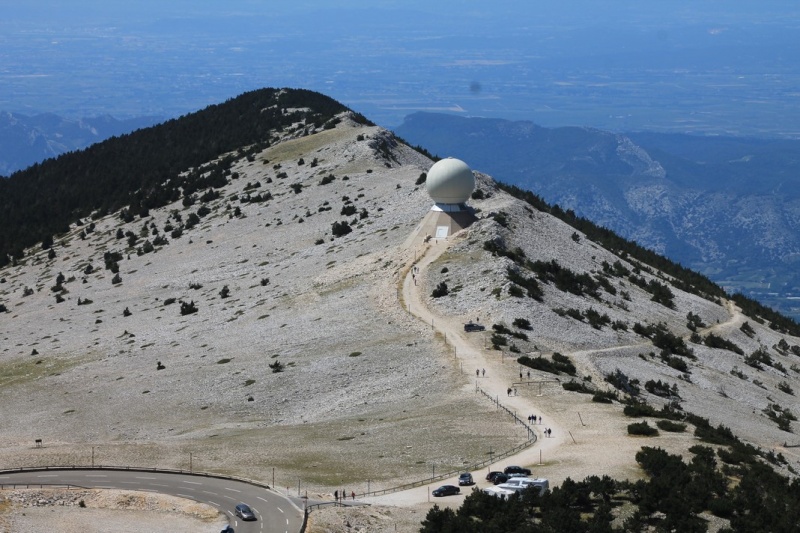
(275,513)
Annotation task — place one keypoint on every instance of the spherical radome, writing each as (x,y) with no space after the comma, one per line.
(450,181)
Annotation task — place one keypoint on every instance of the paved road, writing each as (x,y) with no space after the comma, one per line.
(275,513)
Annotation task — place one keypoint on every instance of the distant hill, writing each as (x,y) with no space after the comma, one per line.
(727,207)
(25,140)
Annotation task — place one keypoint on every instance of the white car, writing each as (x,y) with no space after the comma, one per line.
(520,483)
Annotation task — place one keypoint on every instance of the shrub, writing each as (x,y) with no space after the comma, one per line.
(556,365)
(225,292)
(440,290)
(522,323)
(669,425)
(757,358)
(605,397)
(715,341)
(276,367)
(188,308)
(642,428)
(622,382)
(515,291)
(662,389)
(340,229)
(747,329)
(785,387)
(576,386)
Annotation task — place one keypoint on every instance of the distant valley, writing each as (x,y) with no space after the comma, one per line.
(25,140)
(727,207)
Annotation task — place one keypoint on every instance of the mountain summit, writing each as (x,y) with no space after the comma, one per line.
(284,310)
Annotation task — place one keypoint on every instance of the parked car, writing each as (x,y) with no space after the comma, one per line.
(465,479)
(472,326)
(499,478)
(244,512)
(446,490)
(517,470)
(228,529)
(491,475)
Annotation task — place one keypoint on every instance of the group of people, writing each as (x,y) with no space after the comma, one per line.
(480,372)
(340,497)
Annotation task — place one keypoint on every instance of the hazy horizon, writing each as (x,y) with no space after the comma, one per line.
(707,67)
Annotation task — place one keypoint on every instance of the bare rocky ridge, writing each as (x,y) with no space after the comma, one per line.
(378,383)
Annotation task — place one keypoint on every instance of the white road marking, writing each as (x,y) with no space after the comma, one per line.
(262,499)
(232,490)
(96,475)
(231,499)
(210,492)
(192,482)
(183,495)
(48,475)
(137,477)
(281,510)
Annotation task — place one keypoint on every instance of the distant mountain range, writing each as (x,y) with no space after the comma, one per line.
(25,140)
(727,207)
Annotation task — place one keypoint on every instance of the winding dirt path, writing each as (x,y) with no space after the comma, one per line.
(594,446)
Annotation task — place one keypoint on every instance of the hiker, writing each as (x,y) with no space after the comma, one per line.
(477,373)
(484,372)
(509,391)
(529,374)
(515,391)
(353,494)
(336,495)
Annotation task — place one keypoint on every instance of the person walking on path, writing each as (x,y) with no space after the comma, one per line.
(353,494)
(336,495)
(483,372)
(477,373)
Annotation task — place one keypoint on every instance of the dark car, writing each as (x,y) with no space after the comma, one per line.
(490,476)
(228,529)
(465,479)
(244,512)
(446,490)
(499,478)
(472,326)
(517,470)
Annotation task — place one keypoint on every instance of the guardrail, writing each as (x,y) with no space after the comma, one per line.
(135,469)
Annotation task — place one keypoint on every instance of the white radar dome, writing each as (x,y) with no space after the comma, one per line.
(450,181)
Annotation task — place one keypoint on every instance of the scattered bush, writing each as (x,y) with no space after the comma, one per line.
(622,382)
(440,290)
(188,308)
(669,425)
(642,428)
(715,341)
(522,323)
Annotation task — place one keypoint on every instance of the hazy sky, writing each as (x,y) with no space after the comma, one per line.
(546,61)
